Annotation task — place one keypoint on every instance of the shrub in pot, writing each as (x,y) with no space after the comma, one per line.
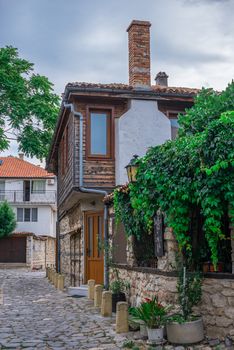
(185,327)
(118,288)
(154,315)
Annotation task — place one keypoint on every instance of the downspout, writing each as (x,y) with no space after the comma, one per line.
(92,190)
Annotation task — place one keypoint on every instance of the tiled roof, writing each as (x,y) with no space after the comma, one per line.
(14,167)
(154,88)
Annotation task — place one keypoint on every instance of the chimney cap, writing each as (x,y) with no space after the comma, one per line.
(138,23)
(161,79)
(21,156)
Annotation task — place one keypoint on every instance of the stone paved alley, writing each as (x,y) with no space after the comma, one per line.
(34,315)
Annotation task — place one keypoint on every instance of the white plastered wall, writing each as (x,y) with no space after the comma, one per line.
(142,126)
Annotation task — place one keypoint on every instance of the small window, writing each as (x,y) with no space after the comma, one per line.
(2,190)
(20,214)
(38,186)
(27,215)
(99,134)
(174,128)
(34,214)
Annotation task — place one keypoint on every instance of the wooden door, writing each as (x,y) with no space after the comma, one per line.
(13,250)
(94,235)
(26,191)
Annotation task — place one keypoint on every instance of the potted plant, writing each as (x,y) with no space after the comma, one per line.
(154,315)
(118,288)
(185,327)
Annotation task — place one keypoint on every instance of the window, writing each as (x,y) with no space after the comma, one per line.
(174,128)
(38,186)
(99,134)
(20,214)
(34,214)
(2,190)
(27,214)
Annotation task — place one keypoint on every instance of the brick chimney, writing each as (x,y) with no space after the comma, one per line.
(139,53)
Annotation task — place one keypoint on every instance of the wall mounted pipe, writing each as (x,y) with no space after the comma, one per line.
(91,190)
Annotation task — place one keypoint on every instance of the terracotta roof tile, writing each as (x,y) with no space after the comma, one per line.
(117,86)
(14,167)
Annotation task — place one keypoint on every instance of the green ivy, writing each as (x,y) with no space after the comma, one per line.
(196,169)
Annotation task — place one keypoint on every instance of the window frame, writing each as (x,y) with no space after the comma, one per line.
(30,214)
(110,132)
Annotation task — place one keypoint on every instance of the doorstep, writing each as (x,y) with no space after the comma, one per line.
(82,290)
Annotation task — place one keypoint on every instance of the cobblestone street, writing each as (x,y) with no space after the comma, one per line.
(34,315)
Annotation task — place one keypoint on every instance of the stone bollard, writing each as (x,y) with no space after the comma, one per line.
(56,280)
(47,271)
(91,284)
(106,306)
(122,317)
(60,284)
(98,295)
(53,277)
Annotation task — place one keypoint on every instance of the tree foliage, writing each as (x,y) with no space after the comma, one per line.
(196,169)
(7,220)
(28,106)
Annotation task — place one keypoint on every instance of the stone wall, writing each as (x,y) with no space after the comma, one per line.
(217,306)
(40,252)
(71,224)
(71,227)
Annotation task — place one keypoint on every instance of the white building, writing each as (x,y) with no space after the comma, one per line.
(31,191)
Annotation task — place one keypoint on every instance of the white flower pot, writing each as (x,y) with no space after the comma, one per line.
(143,331)
(185,333)
(155,335)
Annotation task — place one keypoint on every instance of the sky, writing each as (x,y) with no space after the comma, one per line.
(86,40)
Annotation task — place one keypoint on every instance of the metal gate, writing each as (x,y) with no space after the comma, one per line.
(13,250)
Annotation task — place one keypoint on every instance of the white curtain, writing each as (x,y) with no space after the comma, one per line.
(38,186)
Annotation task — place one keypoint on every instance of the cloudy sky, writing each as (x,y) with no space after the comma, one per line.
(86,40)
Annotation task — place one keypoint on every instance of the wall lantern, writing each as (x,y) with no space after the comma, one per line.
(132,169)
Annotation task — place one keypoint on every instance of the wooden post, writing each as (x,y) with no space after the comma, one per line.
(122,317)
(60,284)
(106,306)
(98,295)
(91,284)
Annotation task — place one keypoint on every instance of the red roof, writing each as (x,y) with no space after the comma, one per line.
(14,167)
(157,89)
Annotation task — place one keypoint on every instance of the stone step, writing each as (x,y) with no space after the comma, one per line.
(82,290)
(13,265)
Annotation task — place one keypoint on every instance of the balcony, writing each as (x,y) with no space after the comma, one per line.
(25,197)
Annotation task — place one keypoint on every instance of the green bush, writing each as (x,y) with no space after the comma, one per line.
(7,220)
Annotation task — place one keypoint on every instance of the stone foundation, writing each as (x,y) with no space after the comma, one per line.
(217,306)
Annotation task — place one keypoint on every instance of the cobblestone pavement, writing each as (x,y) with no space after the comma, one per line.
(34,315)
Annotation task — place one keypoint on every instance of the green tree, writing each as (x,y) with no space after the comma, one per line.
(7,220)
(28,106)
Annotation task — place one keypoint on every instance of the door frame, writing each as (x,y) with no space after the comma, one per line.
(86,215)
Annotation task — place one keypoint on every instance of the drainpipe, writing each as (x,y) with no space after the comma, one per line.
(91,190)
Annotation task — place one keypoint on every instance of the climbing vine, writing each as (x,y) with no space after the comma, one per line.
(196,169)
